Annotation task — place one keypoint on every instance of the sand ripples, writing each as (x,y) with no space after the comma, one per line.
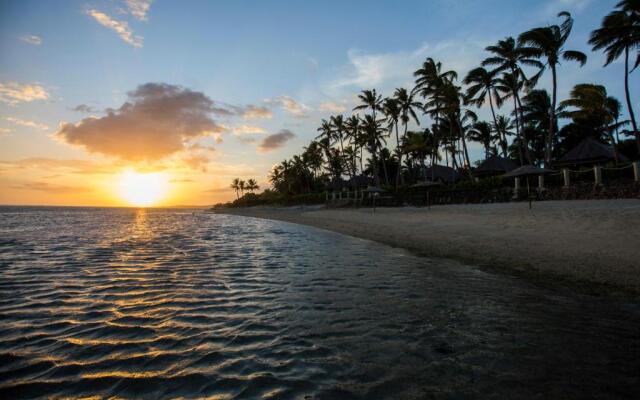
(159,303)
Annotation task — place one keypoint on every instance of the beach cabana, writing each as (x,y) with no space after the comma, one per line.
(527,171)
(427,184)
(494,165)
(442,173)
(589,151)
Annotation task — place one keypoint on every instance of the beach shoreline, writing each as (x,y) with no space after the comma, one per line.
(591,244)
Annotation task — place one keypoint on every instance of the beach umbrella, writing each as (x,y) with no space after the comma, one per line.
(527,170)
(375,190)
(427,184)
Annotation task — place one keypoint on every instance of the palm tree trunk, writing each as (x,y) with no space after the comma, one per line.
(628,97)
(515,110)
(552,119)
(525,142)
(399,153)
(495,122)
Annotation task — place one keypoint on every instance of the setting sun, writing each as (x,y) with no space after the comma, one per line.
(142,189)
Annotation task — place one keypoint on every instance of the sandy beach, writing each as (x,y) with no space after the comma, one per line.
(585,241)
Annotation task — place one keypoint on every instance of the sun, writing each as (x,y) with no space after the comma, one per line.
(142,189)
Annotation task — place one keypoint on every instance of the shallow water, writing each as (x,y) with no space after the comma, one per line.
(167,303)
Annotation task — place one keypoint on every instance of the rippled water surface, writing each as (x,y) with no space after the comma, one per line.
(174,304)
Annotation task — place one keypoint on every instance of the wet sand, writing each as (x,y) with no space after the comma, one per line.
(594,242)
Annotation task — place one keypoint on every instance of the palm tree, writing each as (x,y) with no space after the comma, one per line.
(509,58)
(313,157)
(242,185)
(252,185)
(354,134)
(509,85)
(235,185)
(482,85)
(375,139)
(338,129)
(548,43)
(407,106)
(593,110)
(370,99)
(481,132)
(392,112)
(326,132)
(620,33)
(503,128)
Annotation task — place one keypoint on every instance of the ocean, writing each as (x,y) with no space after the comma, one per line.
(175,303)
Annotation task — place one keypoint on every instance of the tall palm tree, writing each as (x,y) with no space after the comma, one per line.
(509,58)
(482,85)
(619,34)
(354,134)
(338,129)
(326,132)
(235,185)
(370,99)
(392,112)
(509,85)
(408,107)
(548,43)
(375,140)
(242,185)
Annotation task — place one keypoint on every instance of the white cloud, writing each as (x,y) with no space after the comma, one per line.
(31,39)
(120,27)
(246,129)
(139,8)
(290,105)
(4,131)
(332,107)
(14,92)
(27,123)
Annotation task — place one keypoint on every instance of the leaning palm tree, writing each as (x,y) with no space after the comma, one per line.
(235,185)
(548,43)
(482,85)
(509,58)
(618,34)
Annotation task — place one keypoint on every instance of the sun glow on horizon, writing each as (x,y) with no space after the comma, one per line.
(142,189)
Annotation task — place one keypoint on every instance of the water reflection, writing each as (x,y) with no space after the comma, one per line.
(168,304)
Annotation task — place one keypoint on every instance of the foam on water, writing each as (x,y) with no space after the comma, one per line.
(167,303)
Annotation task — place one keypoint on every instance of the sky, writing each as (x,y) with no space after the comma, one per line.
(200,92)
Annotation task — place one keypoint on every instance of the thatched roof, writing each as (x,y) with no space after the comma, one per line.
(361,181)
(495,165)
(527,170)
(589,151)
(442,173)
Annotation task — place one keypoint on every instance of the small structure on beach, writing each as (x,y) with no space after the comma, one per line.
(527,171)
(589,151)
(494,165)
(442,173)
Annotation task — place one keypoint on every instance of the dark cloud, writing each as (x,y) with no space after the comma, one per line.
(83,108)
(276,140)
(157,120)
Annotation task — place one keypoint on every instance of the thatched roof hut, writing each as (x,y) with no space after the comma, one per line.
(495,165)
(589,151)
(442,173)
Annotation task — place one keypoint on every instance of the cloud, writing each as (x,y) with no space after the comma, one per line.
(276,140)
(27,123)
(31,39)
(196,162)
(332,107)
(291,106)
(247,129)
(119,27)
(83,108)
(139,8)
(13,92)
(158,120)
(4,131)
(54,164)
(386,71)
(254,112)
(50,188)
